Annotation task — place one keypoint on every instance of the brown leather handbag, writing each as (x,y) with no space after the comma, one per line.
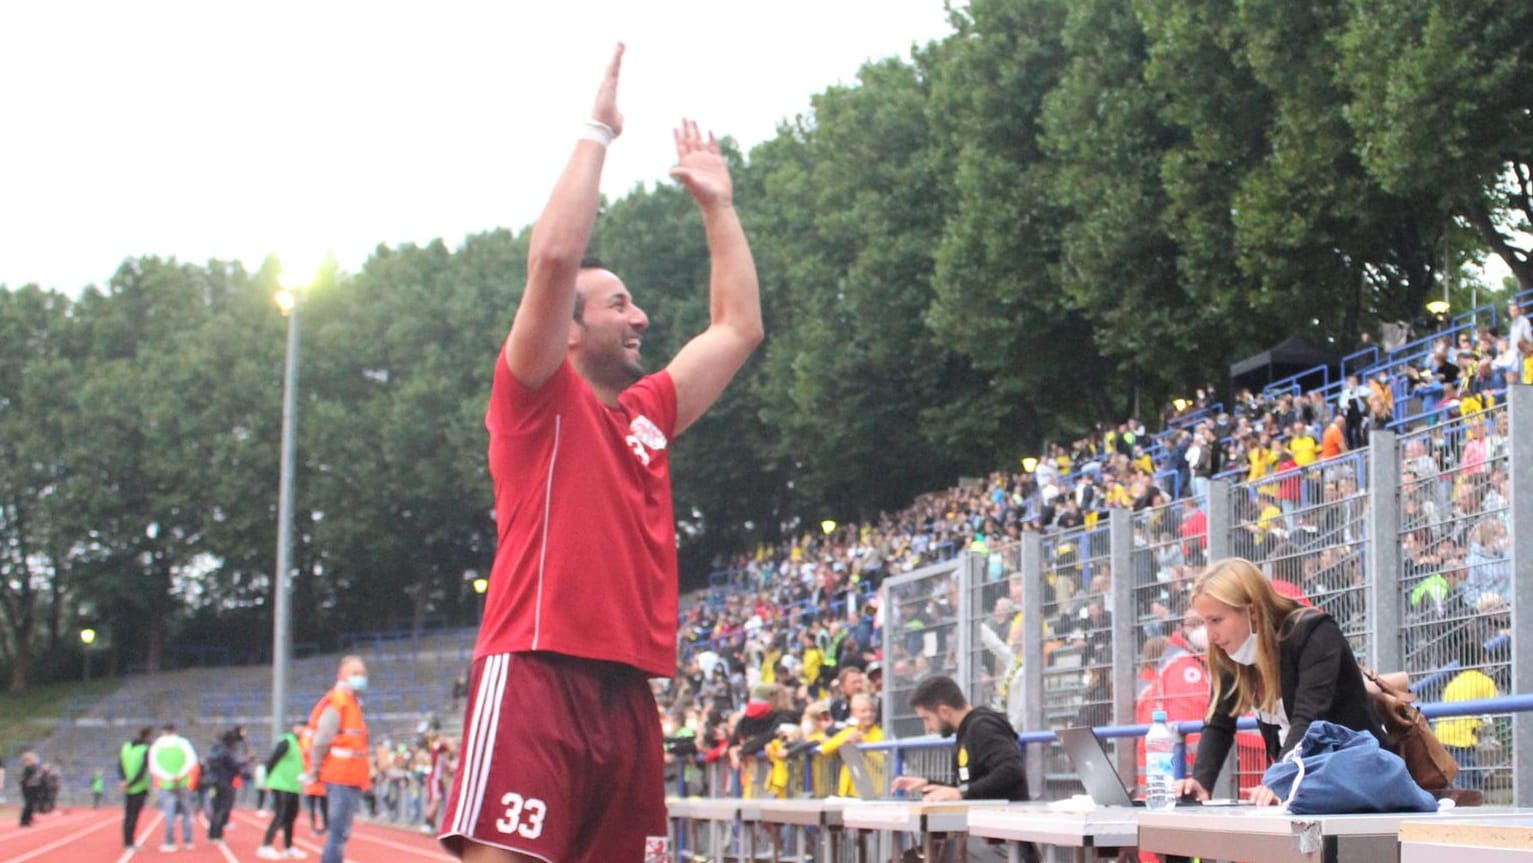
(1410,736)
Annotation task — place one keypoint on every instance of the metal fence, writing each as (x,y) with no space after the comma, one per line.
(923,635)
(1455,586)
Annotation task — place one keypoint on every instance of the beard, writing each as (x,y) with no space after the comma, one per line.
(613,369)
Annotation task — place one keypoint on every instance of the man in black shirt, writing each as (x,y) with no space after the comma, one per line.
(987,763)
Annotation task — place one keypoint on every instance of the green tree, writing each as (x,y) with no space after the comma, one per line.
(997,296)
(37,373)
(1438,101)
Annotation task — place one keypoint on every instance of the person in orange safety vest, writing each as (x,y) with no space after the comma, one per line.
(339,754)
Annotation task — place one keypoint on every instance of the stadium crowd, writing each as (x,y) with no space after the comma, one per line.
(777,651)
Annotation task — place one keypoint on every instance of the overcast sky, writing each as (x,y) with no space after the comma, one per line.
(233,129)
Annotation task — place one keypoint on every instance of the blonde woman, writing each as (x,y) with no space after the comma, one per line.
(1288,662)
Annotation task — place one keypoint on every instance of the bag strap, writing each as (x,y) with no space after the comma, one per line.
(1293,755)
(1406,695)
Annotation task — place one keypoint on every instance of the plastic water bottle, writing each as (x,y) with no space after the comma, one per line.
(1160,764)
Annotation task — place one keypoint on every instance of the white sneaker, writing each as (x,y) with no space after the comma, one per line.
(295,854)
(168,847)
(187,847)
(267,852)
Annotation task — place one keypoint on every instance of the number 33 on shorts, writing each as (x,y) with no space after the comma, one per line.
(524,816)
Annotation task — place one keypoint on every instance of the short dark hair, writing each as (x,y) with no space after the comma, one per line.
(938,691)
(589,262)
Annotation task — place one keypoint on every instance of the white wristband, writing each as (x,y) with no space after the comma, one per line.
(596,130)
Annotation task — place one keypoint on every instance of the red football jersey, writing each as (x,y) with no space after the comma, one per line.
(586,559)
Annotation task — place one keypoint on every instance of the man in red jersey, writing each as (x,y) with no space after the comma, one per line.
(562,758)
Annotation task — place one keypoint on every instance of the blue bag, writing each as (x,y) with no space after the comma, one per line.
(1336,770)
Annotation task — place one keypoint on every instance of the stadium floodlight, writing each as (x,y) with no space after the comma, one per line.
(1438,308)
(87,638)
(287,301)
(1029,464)
(481,585)
(829,526)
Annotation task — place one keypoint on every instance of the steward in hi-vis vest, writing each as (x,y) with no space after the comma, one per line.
(133,769)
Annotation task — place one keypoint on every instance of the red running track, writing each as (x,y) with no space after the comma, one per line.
(95,836)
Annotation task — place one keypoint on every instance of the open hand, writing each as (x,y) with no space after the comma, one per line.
(909,783)
(700,168)
(605,110)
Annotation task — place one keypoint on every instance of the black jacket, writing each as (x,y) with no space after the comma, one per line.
(987,760)
(222,765)
(1320,680)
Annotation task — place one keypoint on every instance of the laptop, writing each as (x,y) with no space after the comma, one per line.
(862,779)
(1095,769)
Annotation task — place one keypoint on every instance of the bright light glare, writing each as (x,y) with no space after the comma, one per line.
(88,636)
(481,585)
(286,299)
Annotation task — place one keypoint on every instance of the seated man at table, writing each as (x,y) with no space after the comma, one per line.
(987,762)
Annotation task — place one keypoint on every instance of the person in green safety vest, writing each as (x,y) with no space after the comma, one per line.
(97,789)
(171,762)
(133,769)
(282,771)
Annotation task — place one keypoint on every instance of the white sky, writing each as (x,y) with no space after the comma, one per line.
(232,129)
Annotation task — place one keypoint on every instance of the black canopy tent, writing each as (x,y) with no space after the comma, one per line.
(1293,355)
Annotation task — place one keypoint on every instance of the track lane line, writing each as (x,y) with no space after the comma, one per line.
(366,836)
(36,852)
(143,836)
(45,826)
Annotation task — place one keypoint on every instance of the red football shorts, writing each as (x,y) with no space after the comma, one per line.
(561,760)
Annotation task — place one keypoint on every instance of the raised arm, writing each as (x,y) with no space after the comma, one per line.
(710,360)
(540,332)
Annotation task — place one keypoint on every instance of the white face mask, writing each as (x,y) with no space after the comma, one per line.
(1245,654)
(1199,638)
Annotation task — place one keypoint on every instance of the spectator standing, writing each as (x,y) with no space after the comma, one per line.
(1383,387)
(172,761)
(439,777)
(570,385)
(283,770)
(1353,406)
(97,789)
(1519,345)
(31,786)
(133,770)
(223,766)
(1334,442)
(340,753)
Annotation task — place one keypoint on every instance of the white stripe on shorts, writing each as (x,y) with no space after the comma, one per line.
(488,758)
(480,732)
